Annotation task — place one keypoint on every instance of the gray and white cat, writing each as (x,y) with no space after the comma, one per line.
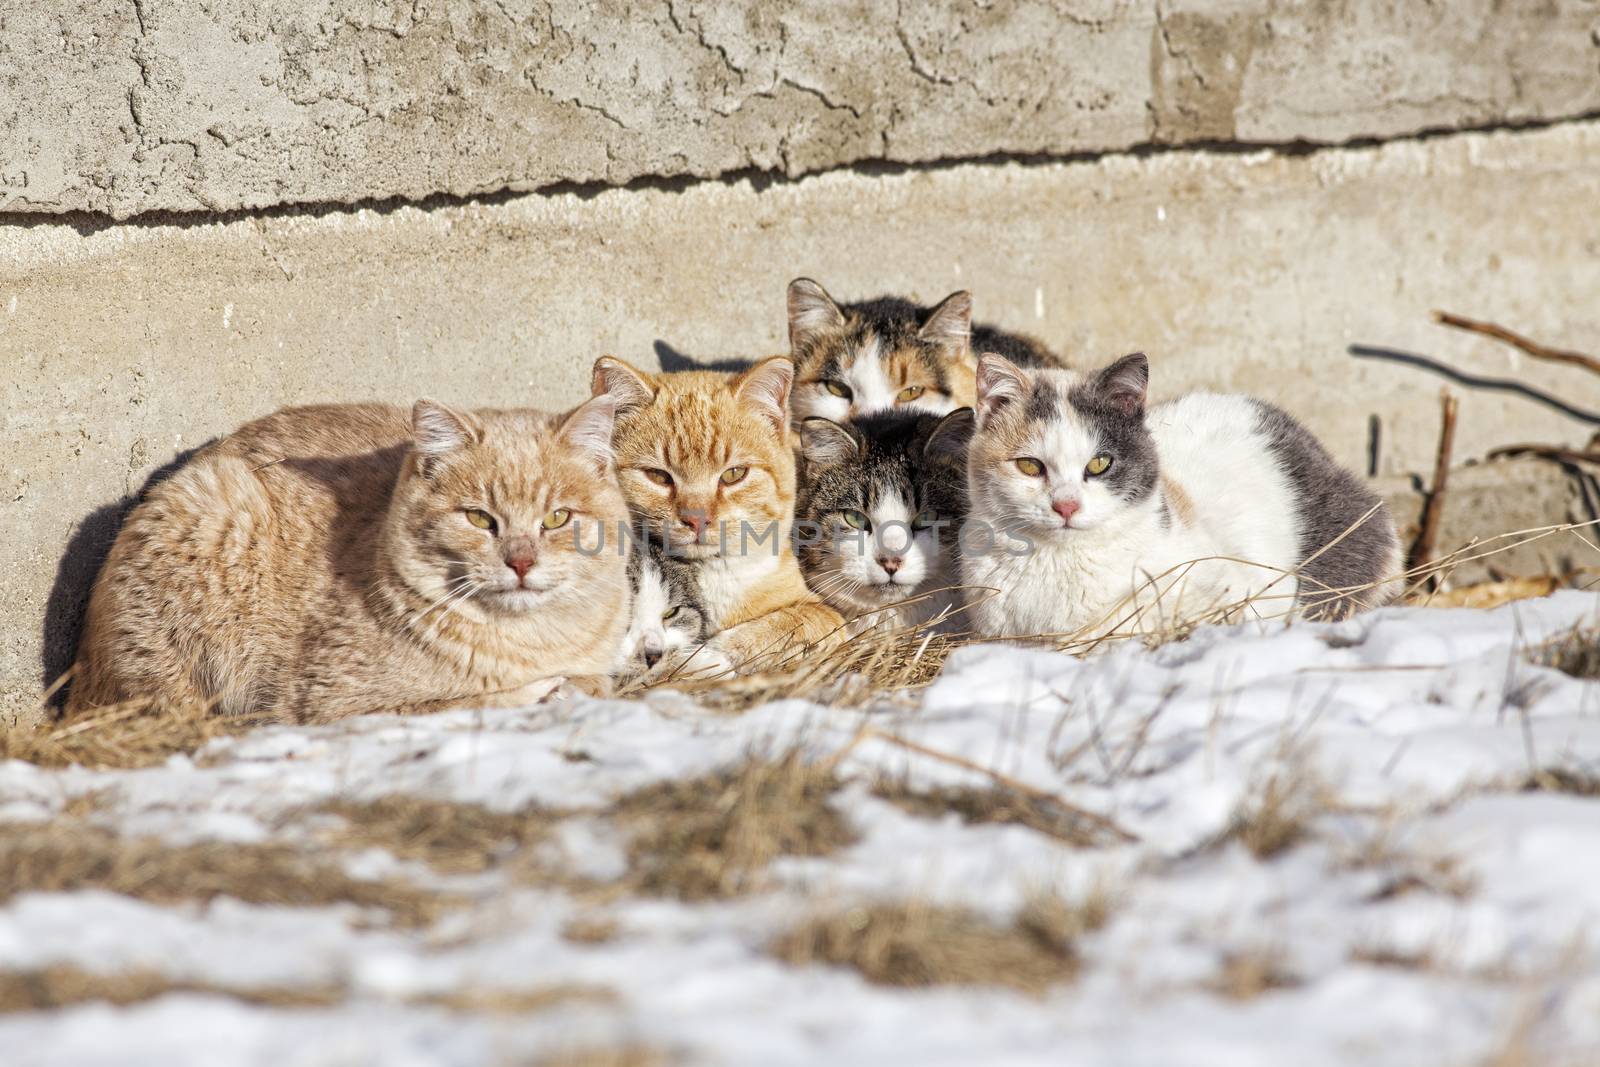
(880,500)
(669,620)
(1119,519)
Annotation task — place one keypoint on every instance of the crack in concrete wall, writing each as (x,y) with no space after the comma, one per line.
(230,105)
(87,222)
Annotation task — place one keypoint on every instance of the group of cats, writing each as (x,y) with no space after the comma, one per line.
(901,465)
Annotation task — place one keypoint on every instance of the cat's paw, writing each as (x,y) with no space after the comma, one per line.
(582,685)
(705,662)
(535,692)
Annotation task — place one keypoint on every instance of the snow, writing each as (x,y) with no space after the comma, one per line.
(1418,727)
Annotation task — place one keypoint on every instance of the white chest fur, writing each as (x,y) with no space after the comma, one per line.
(725,581)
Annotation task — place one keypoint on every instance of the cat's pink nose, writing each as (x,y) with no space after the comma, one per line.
(1066,509)
(695,520)
(890,564)
(520,562)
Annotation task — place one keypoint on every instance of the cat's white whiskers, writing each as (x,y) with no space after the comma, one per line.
(448,603)
(450,589)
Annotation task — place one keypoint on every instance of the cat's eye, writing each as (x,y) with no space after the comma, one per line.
(671,613)
(856,520)
(660,477)
(1030,466)
(923,520)
(734,475)
(1098,465)
(557,519)
(838,389)
(481,519)
(909,393)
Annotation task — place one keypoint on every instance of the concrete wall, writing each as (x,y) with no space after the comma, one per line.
(184,105)
(130,333)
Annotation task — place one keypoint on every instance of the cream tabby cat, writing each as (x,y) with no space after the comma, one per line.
(705,462)
(329,560)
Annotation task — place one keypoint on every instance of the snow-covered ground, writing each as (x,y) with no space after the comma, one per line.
(1433,911)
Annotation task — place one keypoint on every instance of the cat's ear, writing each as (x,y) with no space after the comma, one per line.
(438,430)
(1000,381)
(1122,385)
(949,440)
(811,311)
(588,429)
(949,327)
(631,387)
(765,387)
(825,443)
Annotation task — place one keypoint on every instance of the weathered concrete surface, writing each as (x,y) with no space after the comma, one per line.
(125,344)
(207,105)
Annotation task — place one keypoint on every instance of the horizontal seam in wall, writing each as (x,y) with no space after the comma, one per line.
(88,222)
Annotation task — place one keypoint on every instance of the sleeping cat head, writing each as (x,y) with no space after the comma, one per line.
(1057,451)
(669,614)
(486,516)
(703,458)
(880,504)
(876,356)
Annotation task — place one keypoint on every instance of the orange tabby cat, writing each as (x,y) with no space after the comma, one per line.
(330,560)
(704,460)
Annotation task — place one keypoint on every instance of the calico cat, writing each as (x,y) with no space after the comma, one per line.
(1099,507)
(324,561)
(889,353)
(881,499)
(669,616)
(704,461)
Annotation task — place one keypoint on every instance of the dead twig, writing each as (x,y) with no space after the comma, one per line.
(1516,340)
(1569,455)
(1014,784)
(1428,536)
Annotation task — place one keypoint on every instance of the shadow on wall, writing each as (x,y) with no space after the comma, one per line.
(75,574)
(672,360)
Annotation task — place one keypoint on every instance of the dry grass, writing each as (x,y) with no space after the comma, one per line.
(63,986)
(620,1056)
(451,837)
(123,737)
(1576,652)
(713,836)
(1407,870)
(65,856)
(1433,874)
(1247,975)
(851,673)
(1389,956)
(1571,780)
(516,1001)
(921,944)
(1492,594)
(1279,814)
(590,930)
(996,804)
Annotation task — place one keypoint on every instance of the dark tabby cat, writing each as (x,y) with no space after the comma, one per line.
(669,615)
(879,509)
